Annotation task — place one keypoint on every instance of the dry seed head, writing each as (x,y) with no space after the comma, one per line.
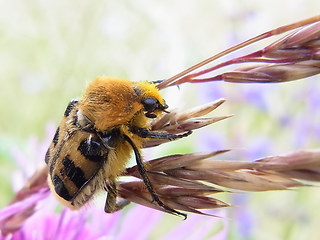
(274,73)
(178,198)
(192,176)
(198,111)
(175,123)
(297,38)
(181,160)
(184,181)
(292,57)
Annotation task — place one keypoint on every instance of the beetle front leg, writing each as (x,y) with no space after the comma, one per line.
(145,133)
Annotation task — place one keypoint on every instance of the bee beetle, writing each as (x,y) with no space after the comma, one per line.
(95,139)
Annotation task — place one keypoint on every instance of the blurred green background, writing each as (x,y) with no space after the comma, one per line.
(50,50)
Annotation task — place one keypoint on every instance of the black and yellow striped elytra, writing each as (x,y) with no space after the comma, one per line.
(95,139)
(77,156)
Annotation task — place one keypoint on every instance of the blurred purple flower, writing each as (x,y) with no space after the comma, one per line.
(33,154)
(45,225)
(198,227)
(138,223)
(259,148)
(211,91)
(210,141)
(256,95)
(243,216)
(312,94)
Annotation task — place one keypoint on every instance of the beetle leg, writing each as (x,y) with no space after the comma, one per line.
(145,133)
(112,205)
(147,181)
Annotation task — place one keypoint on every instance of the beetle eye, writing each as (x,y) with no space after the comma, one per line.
(149,104)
